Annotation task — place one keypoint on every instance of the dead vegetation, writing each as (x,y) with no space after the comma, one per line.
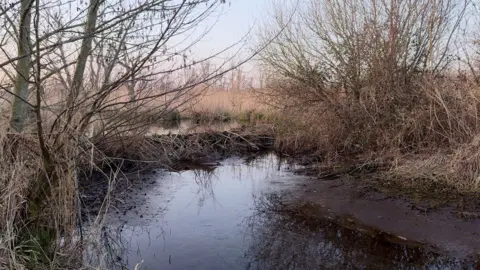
(31,218)
(224,100)
(166,150)
(362,83)
(351,81)
(72,81)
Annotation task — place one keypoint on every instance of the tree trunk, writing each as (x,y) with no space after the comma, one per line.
(131,90)
(24,64)
(84,51)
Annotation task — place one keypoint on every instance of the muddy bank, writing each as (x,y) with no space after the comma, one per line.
(443,230)
(297,239)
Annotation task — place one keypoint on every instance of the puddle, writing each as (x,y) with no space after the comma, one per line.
(231,217)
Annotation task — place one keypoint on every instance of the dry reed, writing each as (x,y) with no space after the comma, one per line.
(433,137)
(216,101)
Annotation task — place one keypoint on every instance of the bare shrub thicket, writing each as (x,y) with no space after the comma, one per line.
(375,79)
(74,74)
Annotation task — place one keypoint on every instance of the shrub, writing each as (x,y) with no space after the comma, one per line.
(173,116)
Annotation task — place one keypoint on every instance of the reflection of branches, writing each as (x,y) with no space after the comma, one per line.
(204,179)
(282,238)
(269,160)
(107,250)
(115,246)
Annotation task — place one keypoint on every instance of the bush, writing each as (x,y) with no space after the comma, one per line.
(430,116)
(352,83)
(173,116)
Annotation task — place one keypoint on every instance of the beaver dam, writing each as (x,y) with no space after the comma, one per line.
(236,204)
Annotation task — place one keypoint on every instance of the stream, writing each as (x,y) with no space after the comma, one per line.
(228,215)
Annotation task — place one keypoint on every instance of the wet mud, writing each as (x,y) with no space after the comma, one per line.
(440,229)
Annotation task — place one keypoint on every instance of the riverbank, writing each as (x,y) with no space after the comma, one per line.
(387,178)
(351,203)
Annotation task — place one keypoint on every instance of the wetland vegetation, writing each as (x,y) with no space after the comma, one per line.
(355,143)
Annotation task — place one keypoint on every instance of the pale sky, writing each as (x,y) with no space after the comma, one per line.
(234,22)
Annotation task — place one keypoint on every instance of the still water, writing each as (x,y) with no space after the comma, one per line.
(230,217)
(191,127)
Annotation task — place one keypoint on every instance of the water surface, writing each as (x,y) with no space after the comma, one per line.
(231,217)
(191,127)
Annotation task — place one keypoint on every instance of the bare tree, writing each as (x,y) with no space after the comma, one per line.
(353,46)
(19,106)
(92,71)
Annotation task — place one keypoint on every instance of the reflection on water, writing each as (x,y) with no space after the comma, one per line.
(188,126)
(232,217)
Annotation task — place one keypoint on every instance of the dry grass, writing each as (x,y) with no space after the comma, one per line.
(459,168)
(215,101)
(21,167)
(356,85)
(39,211)
(427,132)
(202,104)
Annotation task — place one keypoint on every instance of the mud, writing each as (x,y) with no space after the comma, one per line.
(126,187)
(440,229)
(292,239)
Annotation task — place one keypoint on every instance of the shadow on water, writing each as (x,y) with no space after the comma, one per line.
(232,217)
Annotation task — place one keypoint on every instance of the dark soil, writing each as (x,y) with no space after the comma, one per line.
(95,187)
(351,202)
(373,177)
